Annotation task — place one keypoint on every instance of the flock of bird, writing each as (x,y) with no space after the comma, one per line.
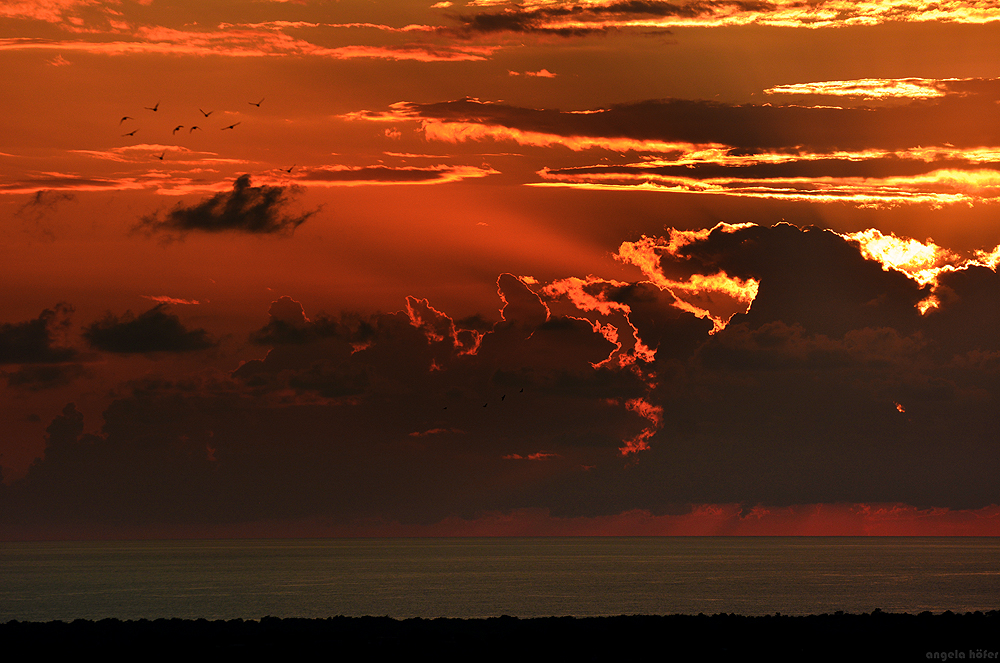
(156,108)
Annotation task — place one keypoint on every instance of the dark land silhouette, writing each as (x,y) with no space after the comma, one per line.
(877,636)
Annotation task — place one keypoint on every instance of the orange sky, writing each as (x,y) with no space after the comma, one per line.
(405,267)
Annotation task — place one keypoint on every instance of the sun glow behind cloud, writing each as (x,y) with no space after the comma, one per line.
(923,262)
(694,294)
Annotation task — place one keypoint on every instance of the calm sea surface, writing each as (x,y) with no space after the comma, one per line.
(497,576)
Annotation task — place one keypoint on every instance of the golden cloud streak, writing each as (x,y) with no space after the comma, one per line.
(246,43)
(937,188)
(870,88)
(164,299)
(282,25)
(390,175)
(458,132)
(589,15)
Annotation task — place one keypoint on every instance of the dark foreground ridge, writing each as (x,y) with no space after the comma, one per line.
(875,636)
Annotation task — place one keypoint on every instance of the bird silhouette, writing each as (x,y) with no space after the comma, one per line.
(194,127)
(161,156)
(131,133)
(178,128)
(204,113)
(154,108)
(125,118)
(288,170)
(258,103)
(229,127)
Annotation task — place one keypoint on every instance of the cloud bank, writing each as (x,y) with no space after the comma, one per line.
(824,383)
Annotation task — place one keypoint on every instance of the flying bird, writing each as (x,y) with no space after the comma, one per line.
(153,108)
(160,157)
(288,170)
(178,128)
(229,127)
(257,104)
(125,118)
(208,113)
(193,128)
(131,133)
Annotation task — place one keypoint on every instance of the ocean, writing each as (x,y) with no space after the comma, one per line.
(486,577)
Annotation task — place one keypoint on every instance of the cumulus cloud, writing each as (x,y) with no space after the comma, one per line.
(155,330)
(260,210)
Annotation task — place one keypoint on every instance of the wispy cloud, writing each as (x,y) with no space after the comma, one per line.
(369,175)
(245,44)
(164,299)
(52,11)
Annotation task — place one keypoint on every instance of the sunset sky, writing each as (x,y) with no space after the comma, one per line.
(390,267)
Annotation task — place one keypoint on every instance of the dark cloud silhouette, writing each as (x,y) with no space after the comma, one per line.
(257,210)
(34,377)
(155,330)
(42,359)
(33,341)
(810,277)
